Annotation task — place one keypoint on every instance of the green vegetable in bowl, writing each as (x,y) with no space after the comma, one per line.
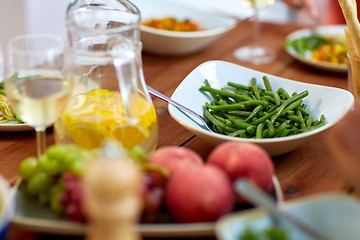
(253,112)
(271,233)
(309,43)
(6,112)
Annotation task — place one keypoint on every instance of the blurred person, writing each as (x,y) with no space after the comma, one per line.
(309,6)
(334,13)
(319,11)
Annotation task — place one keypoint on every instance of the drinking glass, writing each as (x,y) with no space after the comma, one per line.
(255,53)
(34,83)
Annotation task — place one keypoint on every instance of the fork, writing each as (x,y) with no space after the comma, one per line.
(178,105)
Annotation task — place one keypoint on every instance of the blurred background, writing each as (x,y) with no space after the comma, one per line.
(19,16)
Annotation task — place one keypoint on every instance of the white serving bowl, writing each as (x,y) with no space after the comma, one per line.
(165,42)
(332,102)
(334,215)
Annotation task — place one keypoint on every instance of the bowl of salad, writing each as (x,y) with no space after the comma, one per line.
(333,215)
(323,47)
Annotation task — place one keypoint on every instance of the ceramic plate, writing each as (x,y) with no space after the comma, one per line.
(334,215)
(329,30)
(332,102)
(13,126)
(32,216)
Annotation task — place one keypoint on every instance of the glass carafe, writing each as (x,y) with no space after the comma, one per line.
(110,101)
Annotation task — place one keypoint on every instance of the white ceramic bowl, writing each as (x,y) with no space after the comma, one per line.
(179,43)
(334,215)
(334,103)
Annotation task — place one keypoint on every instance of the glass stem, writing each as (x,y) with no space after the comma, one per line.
(40,140)
(256,26)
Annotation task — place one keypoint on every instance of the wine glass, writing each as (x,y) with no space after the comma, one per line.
(34,84)
(255,53)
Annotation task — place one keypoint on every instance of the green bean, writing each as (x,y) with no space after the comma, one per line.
(219,129)
(255,112)
(263,118)
(283,93)
(225,93)
(295,118)
(302,122)
(240,124)
(307,129)
(222,102)
(251,130)
(254,103)
(236,106)
(239,86)
(308,121)
(275,95)
(287,102)
(212,119)
(214,96)
(294,105)
(303,111)
(255,88)
(223,120)
(240,113)
(269,98)
(259,130)
(265,133)
(267,83)
(270,127)
(284,132)
(239,133)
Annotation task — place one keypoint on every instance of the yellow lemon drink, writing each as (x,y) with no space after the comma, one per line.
(99,115)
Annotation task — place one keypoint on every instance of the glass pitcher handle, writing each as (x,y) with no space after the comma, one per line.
(127,74)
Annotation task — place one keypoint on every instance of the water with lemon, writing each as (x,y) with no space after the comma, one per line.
(98,116)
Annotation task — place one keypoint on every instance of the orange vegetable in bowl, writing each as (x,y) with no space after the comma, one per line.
(333,53)
(172,24)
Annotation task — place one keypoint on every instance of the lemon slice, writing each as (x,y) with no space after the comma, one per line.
(79,102)
(129,135)
(101,93)
(87,136)
(148,119)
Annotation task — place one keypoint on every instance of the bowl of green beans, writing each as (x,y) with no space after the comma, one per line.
(241,104)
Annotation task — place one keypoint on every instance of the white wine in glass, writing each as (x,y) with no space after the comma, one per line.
(255,53)
(34,83)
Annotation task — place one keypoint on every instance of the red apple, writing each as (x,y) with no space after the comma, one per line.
(247,160)
(200,194)
(174,158)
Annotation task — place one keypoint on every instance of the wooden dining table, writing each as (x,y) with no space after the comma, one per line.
(308,170)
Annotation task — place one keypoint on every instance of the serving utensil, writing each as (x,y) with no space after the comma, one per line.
(252,193)
(178,105)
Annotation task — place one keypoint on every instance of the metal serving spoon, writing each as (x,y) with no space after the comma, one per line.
(178,105)
(253,194)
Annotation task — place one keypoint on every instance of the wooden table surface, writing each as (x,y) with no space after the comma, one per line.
(307,170)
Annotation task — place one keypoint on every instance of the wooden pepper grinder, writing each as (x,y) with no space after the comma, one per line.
(113,202)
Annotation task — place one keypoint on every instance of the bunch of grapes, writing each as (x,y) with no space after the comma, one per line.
(54,179)
(72,197)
